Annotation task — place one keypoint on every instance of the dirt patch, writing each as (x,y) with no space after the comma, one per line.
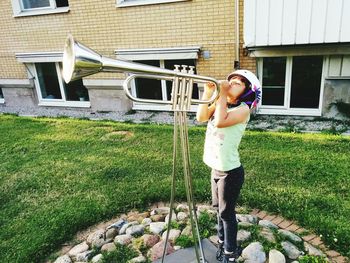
(117,135)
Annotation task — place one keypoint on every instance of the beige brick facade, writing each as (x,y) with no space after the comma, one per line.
(106,28)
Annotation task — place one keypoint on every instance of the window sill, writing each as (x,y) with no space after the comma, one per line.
(126,3)
(74,104)
(158,107)
(291,111)
(43,12)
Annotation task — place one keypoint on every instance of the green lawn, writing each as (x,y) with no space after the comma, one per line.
(58,176)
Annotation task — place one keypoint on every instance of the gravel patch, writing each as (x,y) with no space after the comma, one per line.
(257,122)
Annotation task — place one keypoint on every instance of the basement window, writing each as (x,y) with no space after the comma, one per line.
(53,91)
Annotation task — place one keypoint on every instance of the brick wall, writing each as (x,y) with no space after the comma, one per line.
(105,28)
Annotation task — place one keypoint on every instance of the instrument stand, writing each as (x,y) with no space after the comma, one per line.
(181,103)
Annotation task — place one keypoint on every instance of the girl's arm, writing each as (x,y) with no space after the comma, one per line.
(204,112)
(224,119)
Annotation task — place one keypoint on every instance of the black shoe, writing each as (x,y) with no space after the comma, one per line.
(229,258)
(220,252)
(232,257)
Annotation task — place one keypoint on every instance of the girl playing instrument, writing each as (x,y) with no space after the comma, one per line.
(227,120)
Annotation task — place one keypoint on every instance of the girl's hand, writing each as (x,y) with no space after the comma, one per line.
(224,86)
(209,88)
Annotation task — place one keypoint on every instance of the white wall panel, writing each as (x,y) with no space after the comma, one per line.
(345,71)
(249,22)
(333,21)
(335,66)
(262,22)
(345,25)
(289,22)
(275,22)
(303,22)
(318,15)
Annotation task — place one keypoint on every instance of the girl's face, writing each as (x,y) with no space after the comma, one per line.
(237,87)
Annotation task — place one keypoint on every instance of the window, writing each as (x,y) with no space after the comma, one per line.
(39,7)
(1,96)
(160,89)
(34,4)
(274,81)
(306,82)
(125,3)
(291,85)
(53,91)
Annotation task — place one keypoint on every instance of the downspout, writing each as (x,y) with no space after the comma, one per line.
(237,63)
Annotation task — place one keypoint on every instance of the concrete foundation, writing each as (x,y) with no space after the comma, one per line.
(335,90)
(107,95)
(18,92)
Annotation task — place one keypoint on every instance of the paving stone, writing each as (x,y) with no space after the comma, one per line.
(262,214)
(277,220)
(270,217)
(292,227)
(340,259)
(316,241)
(308,238)
(284,224)
(332,253)
(300,230)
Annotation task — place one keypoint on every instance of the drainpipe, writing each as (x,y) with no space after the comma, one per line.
(237,63)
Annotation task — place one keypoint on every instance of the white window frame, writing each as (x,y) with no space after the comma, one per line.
(29,59)
(18,9)
(286,109)
(160,107)
(159,54)
(55,102)
(126,3)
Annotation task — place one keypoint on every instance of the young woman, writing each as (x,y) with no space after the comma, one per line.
(227,119)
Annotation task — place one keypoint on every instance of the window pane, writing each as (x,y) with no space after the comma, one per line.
(149,88)
(169,64)
(306,82)
(29,4)
(61,3)
(274,73)
(1,95)
(48,80)
(76,91)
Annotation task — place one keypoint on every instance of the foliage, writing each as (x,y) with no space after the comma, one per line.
(312,259)
(184,241)
(206,224)
(121,255)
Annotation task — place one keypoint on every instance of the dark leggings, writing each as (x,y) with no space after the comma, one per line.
(225,188)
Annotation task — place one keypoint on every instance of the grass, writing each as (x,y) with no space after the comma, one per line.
(58,176)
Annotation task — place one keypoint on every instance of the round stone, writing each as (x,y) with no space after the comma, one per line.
(276,256)
(254,252)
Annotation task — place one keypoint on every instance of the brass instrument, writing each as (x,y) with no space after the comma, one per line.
(80,61)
